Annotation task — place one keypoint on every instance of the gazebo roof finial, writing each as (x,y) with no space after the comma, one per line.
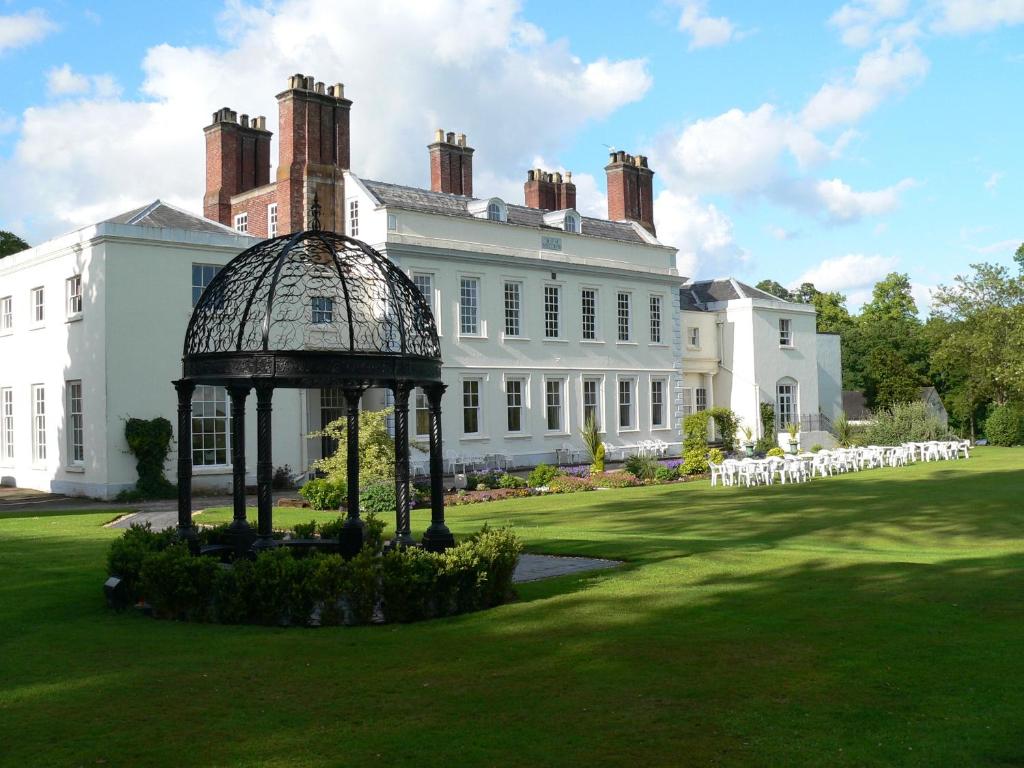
(314,214)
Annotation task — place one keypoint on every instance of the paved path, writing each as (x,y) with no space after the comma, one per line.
(537,567)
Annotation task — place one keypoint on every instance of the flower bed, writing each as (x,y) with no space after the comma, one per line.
(292,587)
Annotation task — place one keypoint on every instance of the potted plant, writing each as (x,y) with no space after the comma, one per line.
(748,440)
(793,430)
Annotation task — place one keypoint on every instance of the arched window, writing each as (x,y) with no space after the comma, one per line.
(572,223)
(787,404)
(494,211)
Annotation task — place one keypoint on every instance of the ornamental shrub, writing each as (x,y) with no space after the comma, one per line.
(569,484)
(511,481)
(149,440)
(304,530)
(769,438)
(598,463)
(1005,425)
(726,422)
(376,449)
(643,467)
(619,479)
(695,430)
(378,498)
(695,461)
(776,451)
(664,474)
(715,455)
(407,585)
(178,584)
(541,475)
(128,552)
(324,493)
(905,422)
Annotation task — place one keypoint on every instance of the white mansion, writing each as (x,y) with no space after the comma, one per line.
(546,317)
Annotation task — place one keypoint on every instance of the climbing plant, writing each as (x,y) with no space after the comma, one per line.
(149,440)
(726,423)
(769,438)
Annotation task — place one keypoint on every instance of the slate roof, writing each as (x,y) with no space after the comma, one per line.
(696,295)
(427,201)
(166,216)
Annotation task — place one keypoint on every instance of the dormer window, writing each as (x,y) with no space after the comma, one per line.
(567,220)
(493,209)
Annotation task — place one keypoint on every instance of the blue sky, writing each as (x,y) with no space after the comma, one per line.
(824,141)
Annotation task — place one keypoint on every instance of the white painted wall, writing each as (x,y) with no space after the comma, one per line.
(830,375)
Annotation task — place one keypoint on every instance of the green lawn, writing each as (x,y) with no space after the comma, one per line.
(871,619)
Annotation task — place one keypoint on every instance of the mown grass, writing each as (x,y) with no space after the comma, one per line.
(871,619)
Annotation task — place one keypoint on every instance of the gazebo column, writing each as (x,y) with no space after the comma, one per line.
(239,393)
(403,535)
(351,537)
(437,537)
(264,465)
(186,530)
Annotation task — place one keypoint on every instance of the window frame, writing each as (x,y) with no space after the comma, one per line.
(467,383)
(523,384)
(518,310)
(699,394)
(418,275)
(656,301)
(322,314)
(392,222)
(686,395)
(226,419)
(624,322)
(553,319)
(693,337)
(7,433)
(630,382)
(203,266)
(595,319)
(73,300)
(38,393)
(6,314)
(478,327)
(353,217)
(794,402)
(786,333)
(272,227)
(37,305)
(559,392)
(421,409)
(241,221)
(662,403)
(598,382)
(75,423)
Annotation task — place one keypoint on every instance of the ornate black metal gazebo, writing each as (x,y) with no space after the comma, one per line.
(313,309)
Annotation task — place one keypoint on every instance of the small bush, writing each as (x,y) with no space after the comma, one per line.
(541,475)
(776,451)
(282,480)
(643,467)
(598,463)
(128,552)
(620,479)
(324,494)
(665,474)
(1005,425)
(715,455)
(378,498)
(569,484)
(177,584)
(305,530)
(695,461)
(905,422)
(511,481)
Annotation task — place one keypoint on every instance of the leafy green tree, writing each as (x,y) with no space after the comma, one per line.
(775,289)
(376,449)
(11,243)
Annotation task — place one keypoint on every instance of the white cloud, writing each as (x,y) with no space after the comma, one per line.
(705,31)
(62,81)
(737,151)
(701,232)
(780,233)
(965,16)
(21,29)
(850,274)
(881,73)
(859,20)
(993,180)
(476,68)
(844,204)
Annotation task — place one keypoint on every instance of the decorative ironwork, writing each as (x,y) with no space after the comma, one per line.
(314,213)
(314,309)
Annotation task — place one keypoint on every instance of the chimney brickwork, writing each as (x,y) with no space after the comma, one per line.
(237,160)
(451,164)
(630,189)
(548,191)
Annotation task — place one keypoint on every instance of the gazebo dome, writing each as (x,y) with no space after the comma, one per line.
(310,295)
(313,291)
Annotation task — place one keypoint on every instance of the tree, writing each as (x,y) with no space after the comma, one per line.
(11,243)
(376,449)
(775,289)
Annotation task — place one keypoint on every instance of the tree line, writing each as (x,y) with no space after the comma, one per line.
(970,348)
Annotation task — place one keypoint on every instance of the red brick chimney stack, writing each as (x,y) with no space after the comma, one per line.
(237,160)
(630,189)
(314,153)
(451,164)
(548,192)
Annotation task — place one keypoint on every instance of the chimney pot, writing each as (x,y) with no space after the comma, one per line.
(558,177)
(529,176)
(630,190)
(568,177)
(461,139)
(339,90)
(450,137)
(320,88)
(439,134)
(244,120)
